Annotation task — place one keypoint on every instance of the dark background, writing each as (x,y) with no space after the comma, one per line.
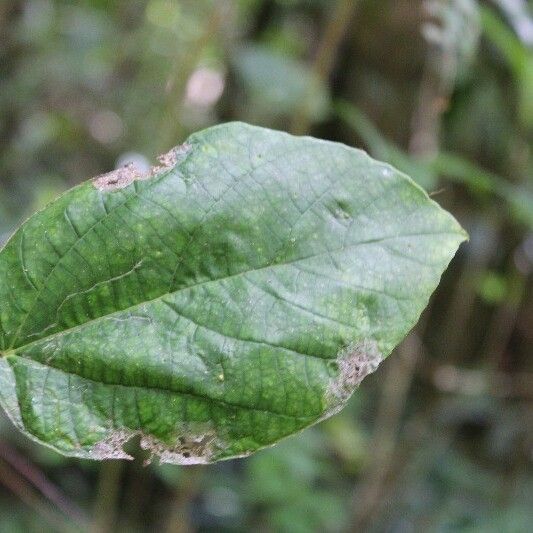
(440,438)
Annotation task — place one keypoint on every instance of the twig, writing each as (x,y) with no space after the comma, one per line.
(436,87)
(137,495)
(400,372)
(25,493)
(107,496)
(177,83)
(324,61)
(190,485)
(37,478)
(424,142)
(461,303)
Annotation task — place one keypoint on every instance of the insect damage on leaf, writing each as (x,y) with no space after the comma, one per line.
(112,447)
(353,364)
(170,159)
(119,178)
(124,176)
(190,448)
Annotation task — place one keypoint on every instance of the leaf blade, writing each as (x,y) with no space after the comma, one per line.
(225,286)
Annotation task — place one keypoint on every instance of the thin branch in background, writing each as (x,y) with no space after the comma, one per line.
(24,492)
(107,496)
(397,382)
(433,101)
(137,494)
(435,91)
(503,324)
(461,303)
(177,83)
(438,81)
(190,485)
(325,57)
(36,477)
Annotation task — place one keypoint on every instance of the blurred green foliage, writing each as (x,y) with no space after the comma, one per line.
(273,85)
(439,439)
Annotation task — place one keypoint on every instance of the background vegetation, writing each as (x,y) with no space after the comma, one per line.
(440,438)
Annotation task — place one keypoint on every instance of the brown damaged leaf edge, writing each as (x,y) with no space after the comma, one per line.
(188,450)
(348,370)
(124,176)
(352,365)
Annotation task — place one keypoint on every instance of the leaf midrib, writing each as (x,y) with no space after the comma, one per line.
(177,392)
(154,179)
(76,242)
(14,350)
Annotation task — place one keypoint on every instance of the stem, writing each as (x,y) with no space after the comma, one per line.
(424,142)
(398,379)
(462,301)
(107,496)
(137,494)
(37,478)
(172,129)
(433,99)
(24,492)
(502,326)
(432,102)
(324,61)
(190,485)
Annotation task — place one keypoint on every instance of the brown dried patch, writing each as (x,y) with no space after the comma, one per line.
(188,450)
(113,446)
(117,179)
(170,159)
(124,176)
(354,363)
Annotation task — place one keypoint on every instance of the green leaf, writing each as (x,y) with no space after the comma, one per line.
(235,295)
